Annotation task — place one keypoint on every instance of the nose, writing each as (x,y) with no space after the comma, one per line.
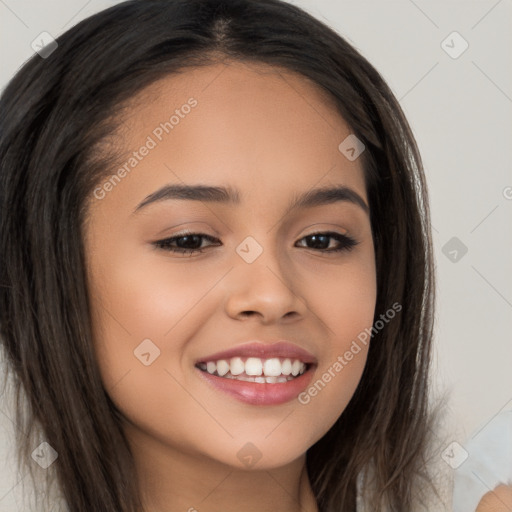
(266,289)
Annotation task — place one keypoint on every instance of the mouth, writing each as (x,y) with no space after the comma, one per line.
(259,374)
(254,369)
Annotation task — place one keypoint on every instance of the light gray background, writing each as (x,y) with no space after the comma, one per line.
(460,113)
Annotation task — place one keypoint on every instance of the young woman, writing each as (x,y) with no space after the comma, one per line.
(217,280)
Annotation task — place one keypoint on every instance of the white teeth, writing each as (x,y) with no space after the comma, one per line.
(222,367)
(254,369)
(286,367)
(253,366)
(236,366)
(272,367)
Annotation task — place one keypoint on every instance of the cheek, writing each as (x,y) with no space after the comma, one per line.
(349,310)
(137,300)
(141,309)
(346,305)
(133,302)
(344,299)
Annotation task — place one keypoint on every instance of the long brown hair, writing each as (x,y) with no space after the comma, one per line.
(58,110)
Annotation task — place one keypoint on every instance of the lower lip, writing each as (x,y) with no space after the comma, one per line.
(260,394)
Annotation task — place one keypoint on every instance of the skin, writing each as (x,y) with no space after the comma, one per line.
(499,500)
(271,134)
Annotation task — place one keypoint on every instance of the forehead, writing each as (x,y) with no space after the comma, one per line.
(247,125)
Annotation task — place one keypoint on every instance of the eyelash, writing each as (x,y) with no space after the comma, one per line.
(347,243)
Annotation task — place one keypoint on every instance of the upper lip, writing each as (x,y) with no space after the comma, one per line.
(256,348)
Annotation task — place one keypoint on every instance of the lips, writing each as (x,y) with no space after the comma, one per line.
(259,373)
(282,349)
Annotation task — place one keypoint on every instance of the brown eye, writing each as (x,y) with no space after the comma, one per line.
(321,242)
(190,243)
(186,243)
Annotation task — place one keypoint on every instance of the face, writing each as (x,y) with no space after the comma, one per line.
(246,278)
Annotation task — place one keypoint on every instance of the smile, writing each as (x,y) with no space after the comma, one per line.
(259,373)
(254,369)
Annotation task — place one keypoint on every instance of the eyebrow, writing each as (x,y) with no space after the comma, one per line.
(227,195)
